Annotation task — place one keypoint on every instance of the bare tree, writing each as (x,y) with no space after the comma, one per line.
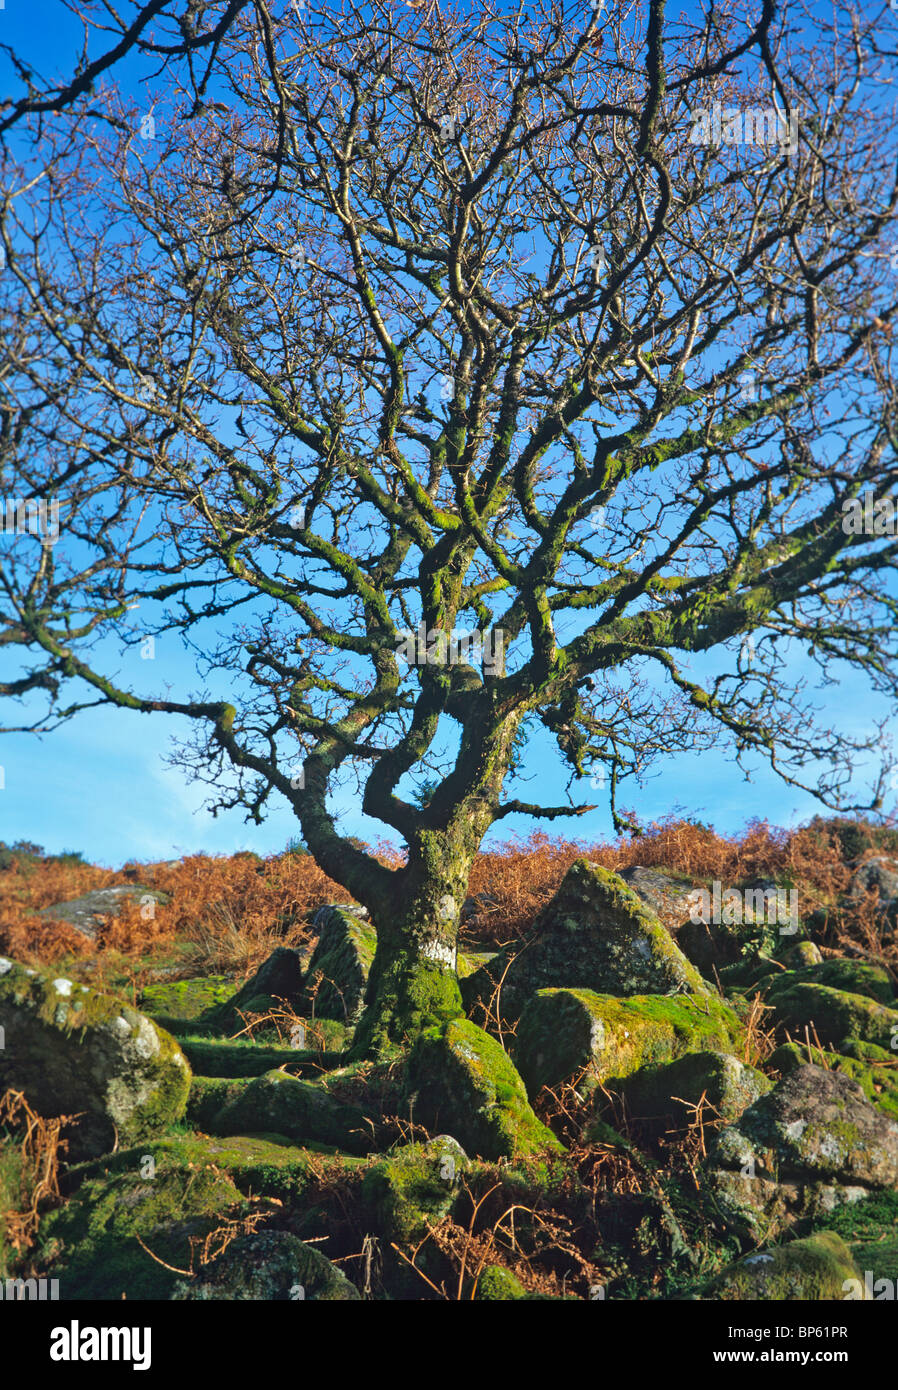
(442,377)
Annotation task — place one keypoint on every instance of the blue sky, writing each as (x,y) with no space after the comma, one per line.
(102,784)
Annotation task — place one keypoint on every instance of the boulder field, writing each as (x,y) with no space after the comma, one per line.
(701,1114)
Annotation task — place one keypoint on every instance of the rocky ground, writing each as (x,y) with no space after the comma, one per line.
(637,1105)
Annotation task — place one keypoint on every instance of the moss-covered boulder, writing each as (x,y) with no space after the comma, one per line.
(817,1269)
(303,1110)
(568,1033)
(813,1143)
(185,1000)
(851,976)
(833,1014)
(278,981)
(272,1266)
(75,1051)
(596,934)
(413,1186)
(340,964)
(259,1165)
(874,1069)
(496,1284)
(403,1196)
(460,1081)
(800,955)
(663,1096)
(90,1243)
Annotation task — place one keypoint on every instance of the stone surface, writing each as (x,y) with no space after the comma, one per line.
(817,1269)
(874,1069)
(86,913)
(668,897)
(460,1081)
(278,981)
(816,1124)
(304,1111)
(578,1035)
(662,1096)
(272,1266)
(73,1050)
(338,969)
(595,934)
(881,874)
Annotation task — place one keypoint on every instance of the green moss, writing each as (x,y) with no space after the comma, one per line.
(259,1165)
(834,1013)
(815,1268)
(208,1095)
(410,996)
(281,1104)
(90,1243)
(415,1186)
(497,1284)
(76,1050)
(13,1196)
(217,1057)
(870,1228)
(340,964)
(874,1069)
(460,1081)
(185,999)
(564,1032)
(853,976)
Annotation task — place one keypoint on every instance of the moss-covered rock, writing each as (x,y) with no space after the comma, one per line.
(416,1184)
(185,999)
(90,1243)
(73,1050)
(595,934)
(800,955)
(496,1284)
(564,1033)
(281,1104)
(278,981)
(270,1265)
(208,1095)
(874,1069)
(259,1165)
(851,976)
(661,1096)
(222,1057)
(834,1014)
(461,1081)
(818,1269)
(816,1124)
(340,964)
